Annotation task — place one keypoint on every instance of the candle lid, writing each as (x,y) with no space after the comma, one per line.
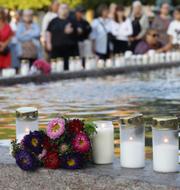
(27,113)
(132,120)
(166,123)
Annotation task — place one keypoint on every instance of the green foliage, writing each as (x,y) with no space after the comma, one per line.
(15,147)
(90,128)
(34,4)
(24,4)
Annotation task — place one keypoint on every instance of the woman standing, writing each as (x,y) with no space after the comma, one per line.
(161,23)
(140,24)
(5,38)
(28,36)
(100,29)
(121,29)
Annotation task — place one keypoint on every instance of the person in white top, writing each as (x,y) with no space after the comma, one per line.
(99,35)
(121,29)
(174,28)
(49,16)
(173,32)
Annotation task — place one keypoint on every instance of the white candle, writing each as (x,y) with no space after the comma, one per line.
(60,65)
(165,158)
(109,63)
(103,143)
(100,63)
(26,121)
(132,154)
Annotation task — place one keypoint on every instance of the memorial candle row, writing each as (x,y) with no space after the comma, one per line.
(132,140)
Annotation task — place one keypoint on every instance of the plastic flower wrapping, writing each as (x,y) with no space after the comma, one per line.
(66,143)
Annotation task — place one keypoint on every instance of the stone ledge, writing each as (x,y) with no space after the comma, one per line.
(84,74)
(105,177)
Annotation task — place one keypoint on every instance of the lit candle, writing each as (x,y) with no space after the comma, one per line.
(103,143)
(26,121)
(132,142)
(100,63)
(165,145)
(109,63)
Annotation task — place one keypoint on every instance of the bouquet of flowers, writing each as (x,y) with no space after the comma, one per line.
(66,143)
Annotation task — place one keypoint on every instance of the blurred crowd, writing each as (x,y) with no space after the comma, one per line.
(65,33)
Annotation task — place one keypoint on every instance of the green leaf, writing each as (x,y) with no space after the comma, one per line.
(90,128)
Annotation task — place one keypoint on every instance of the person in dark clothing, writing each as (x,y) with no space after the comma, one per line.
(62,36)
(83,27)
(83,31)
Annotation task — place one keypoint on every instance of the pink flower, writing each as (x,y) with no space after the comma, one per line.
(43,66)
(81,143)
(55,128)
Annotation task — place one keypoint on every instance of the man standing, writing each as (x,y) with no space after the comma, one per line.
(83,31)
(62,36)
(49,16)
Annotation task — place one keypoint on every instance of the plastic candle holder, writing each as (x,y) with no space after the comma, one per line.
(132,141)
(103,143)
(165,144)
(26,121)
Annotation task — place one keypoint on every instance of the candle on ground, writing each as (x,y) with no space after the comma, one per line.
(103,143)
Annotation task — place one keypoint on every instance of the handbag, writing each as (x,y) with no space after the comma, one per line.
(29,50)
(110,36)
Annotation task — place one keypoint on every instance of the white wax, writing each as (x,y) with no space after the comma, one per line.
(103,145)
(132,154)
(165,158)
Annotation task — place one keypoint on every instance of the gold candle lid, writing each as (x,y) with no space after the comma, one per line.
(135,120)
(27,113)
(165,123)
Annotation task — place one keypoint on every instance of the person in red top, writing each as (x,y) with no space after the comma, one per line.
(5,37)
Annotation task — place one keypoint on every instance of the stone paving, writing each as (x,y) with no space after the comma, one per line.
(97,177)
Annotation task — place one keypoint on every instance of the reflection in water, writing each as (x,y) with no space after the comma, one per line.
(150,93)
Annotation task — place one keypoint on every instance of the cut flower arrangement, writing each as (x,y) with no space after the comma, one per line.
(66,143)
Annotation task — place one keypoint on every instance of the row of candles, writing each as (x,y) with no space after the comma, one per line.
(132,140)
(118,60)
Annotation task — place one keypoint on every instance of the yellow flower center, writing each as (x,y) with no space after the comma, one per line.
(81,142)
(55,128)
(71,162)
(34,142)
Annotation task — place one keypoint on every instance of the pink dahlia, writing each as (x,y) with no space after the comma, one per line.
(55,128)
(81,143)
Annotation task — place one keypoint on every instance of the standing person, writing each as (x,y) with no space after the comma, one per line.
(6,35)
(62,36)
(121,29)
(49,16)
(161,23)
(15,19)
(100,29)
(112,10)
(28,36)
(140,24)
(83,31)
(173,32)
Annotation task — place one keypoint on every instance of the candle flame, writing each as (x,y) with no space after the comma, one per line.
(27,130)
(130,138)
(166,140)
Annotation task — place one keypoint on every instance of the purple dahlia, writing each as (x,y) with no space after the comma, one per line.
(72,161)
(26,161)
(34,142)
